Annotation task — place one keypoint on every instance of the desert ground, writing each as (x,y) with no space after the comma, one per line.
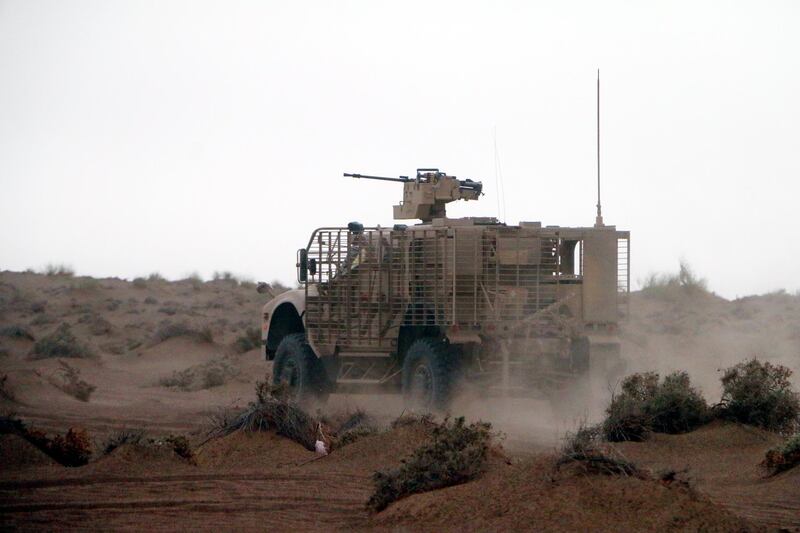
(172,358)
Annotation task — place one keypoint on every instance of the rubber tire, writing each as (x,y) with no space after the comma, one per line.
(439,363)
(311,384)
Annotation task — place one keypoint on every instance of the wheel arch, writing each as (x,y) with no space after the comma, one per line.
(282,316)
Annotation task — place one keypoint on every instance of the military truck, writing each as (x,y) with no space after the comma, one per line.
(423,309)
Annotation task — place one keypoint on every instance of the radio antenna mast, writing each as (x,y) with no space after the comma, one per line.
(598,222)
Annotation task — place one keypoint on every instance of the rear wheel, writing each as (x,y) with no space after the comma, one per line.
(299,369)
(429,371)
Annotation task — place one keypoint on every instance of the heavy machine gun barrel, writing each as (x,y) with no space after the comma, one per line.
(401,179)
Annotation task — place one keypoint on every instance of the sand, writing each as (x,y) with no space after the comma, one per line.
(263,481)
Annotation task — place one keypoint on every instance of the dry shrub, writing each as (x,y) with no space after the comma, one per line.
(176,443)
(74,448)
(760,394)
(271,412)
(99,326)
(249,341)
(180,445)
(664,285)
(85,284)
(139,283)
(456,453)
(213,373)
(783,457)
(582,449)
(226,276)
(356,426)
(60,343)
(5,389)
(59,270)
(647,404)
(16,332)
(168,330)
(155,276)
(72,384)
(122,437)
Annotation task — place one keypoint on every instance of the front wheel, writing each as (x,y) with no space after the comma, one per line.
(299,369)
(429,371)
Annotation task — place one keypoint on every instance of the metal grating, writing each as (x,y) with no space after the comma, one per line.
(369,282)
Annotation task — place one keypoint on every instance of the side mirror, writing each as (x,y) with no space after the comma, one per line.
(302,265)
(312,266)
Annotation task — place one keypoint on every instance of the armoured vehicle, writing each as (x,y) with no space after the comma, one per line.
(421,309)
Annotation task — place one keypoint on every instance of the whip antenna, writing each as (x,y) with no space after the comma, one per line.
(599,220)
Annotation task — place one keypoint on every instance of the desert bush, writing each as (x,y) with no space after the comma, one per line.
(72,384)
(249,341)
(99,326)
(203,376)
(356,426)
(38,307)
(155,276)
(119,438)
(180,445)
(85,284)
(271,412)
(225,276)
(455,453)
(74,448)
(16,332)
(760,394)
(150,301)
(5,388)
(783,457)
(168,330)
(647,404)
(59,270)
(684,279)
(168,310)
(139,283)
(582,449)
(194,280)
(60,343)
(42,320)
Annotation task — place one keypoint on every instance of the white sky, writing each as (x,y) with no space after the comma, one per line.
(201,136)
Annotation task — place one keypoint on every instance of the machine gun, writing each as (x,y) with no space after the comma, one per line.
(425,196)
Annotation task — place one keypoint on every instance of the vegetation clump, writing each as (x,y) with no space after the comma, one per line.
(356,426)
(74,448)
(59,270)
(61,343)
(121,438)
(168,330)
(783,457)
(16,332)
(660,285)
(456,453)
(5,389)
(582,449)
(647,404)
(175,443)
(271,412)
(760,394)
(72,384)
(213,373)
(249,341)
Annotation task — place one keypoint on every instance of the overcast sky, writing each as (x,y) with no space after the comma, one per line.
(201,136)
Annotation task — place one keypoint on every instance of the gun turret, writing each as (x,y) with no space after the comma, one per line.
(426,196)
